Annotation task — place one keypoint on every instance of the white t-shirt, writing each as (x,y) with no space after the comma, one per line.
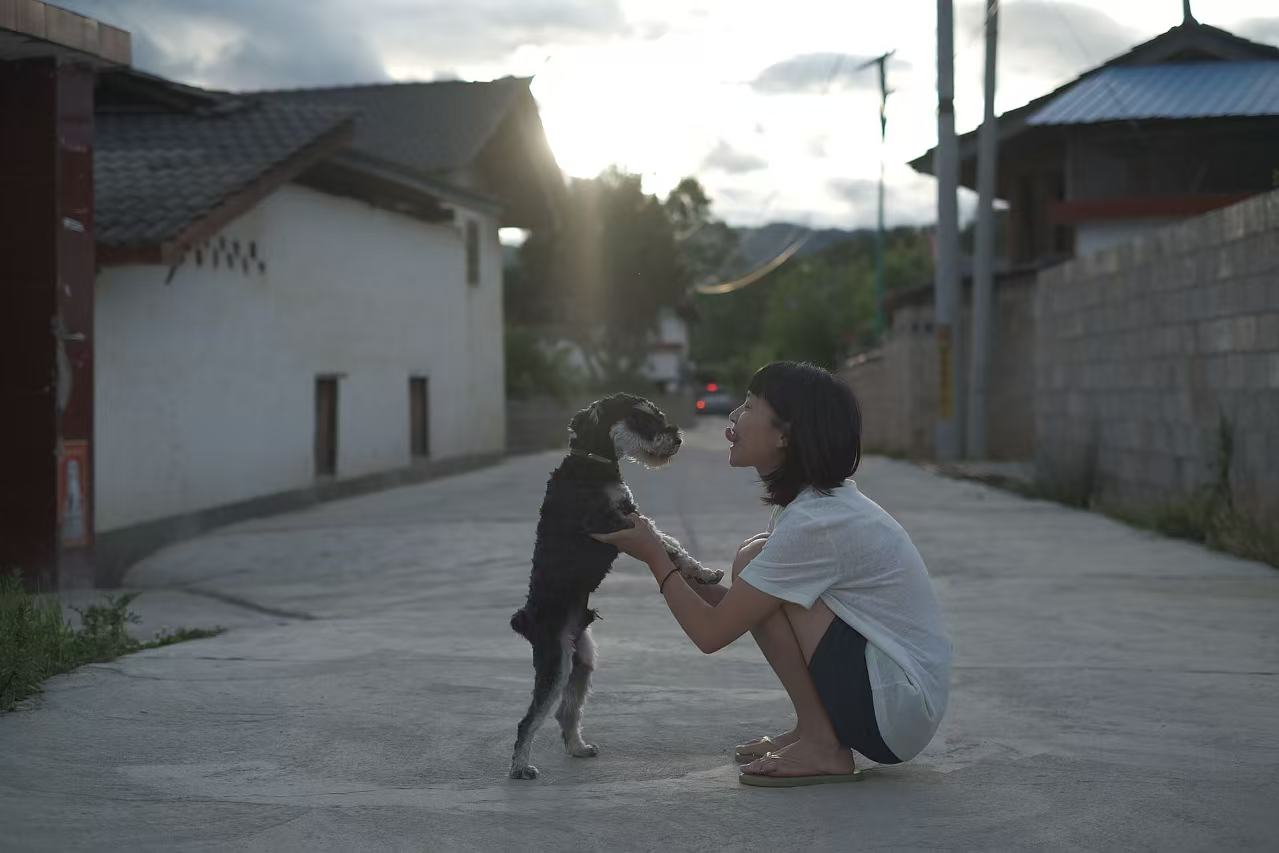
(845,549)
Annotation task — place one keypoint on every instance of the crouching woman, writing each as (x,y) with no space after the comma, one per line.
(835,593)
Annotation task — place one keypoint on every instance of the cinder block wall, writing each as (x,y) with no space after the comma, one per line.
(898,389)
(1142,349)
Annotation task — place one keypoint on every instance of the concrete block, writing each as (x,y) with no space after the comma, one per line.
(1270,291)
(1257,296)
(1271,202)
(1262,252)
(1236,371)
(1268,331)
(1254,216)
(1273,359)
(1244,332)
(1233,221)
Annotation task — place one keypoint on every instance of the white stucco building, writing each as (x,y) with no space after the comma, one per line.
(282,309)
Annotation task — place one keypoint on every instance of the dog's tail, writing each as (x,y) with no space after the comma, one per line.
(520,624)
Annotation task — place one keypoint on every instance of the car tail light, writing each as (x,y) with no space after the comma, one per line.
(701,404)
(712,387)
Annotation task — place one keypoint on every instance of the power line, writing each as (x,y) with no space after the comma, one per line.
(793,240)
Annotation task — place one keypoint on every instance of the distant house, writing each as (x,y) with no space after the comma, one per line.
(299,293)
(667,365)
(1183,124)
(1179,125)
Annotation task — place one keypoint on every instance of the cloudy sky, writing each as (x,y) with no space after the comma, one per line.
(764,102)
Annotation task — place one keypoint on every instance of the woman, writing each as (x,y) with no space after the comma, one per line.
(835,594)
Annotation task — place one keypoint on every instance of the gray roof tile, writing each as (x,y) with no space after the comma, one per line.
(426,127)
(155,173)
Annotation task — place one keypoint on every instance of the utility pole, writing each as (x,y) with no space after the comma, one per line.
(881,61)
(983,274)
(946,283)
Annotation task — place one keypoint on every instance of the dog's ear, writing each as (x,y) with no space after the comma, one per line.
(579,422)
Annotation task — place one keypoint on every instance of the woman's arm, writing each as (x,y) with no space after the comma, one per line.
(710,627)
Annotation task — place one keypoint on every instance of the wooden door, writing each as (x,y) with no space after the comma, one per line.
(326,426)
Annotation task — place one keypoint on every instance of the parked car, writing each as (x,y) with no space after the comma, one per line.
(714,399)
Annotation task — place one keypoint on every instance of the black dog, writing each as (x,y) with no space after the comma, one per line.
(585,495)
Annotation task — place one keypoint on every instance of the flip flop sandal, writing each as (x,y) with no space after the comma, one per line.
(759,780)
(748,752)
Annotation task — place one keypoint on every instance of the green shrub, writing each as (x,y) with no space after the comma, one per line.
(535,368)
(37,642)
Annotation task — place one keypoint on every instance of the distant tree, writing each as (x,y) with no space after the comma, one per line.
(603,277)
(817,307)
(704,242)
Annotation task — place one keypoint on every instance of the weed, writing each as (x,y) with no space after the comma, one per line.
(37,642)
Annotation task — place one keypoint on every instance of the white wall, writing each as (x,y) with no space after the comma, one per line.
(666,362)
(205,386)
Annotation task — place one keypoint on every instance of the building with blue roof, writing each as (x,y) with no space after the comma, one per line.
(1182,124)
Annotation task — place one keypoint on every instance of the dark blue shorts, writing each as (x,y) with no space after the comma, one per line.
(838,667)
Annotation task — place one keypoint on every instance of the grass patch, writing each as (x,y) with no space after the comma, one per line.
(1209,514)
(37,642)
(1203,518)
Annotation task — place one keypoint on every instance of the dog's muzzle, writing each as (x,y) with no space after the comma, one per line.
(667,444)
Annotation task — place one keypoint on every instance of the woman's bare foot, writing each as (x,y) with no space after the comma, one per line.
(803,758)
(762,746)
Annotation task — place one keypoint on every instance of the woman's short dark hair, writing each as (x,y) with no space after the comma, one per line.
(822,423)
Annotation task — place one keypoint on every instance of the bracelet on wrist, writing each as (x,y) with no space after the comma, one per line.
(661,586)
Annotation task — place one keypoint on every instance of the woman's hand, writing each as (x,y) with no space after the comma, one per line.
(640,540)
(750,550)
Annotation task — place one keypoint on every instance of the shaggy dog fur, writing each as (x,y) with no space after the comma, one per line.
(585,495)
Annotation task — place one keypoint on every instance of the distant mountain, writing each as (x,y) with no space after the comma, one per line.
(757,246)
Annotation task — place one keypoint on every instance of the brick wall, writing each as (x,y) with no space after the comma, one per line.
(1143,348)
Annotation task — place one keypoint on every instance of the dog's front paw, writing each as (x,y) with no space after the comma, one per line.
(703,575)
(527,771)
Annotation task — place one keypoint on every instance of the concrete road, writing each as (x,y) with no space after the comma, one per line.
(1113,690)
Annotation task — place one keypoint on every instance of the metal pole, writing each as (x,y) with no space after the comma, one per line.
(979,367)
(882,61)
(946,283)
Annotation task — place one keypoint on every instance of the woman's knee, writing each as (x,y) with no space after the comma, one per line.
(711,593)
(748,552)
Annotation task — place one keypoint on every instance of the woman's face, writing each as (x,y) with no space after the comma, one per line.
(755,438)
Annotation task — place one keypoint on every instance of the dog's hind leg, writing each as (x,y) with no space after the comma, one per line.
(551,661)
(579,684)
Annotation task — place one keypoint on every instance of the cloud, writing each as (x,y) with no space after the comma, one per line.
(821,72)
(1265,30)
(243,44)
(250,44)
(1045,39)
(907,202)
(725,158)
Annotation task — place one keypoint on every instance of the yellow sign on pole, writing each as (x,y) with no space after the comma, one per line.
(946,396)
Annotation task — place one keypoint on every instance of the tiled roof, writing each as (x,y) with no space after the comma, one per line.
(1190,40)
(156,173)
(1184,90)
(426,127)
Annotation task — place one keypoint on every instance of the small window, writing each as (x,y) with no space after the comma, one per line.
(472,252)
(419,417)
(326,426)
